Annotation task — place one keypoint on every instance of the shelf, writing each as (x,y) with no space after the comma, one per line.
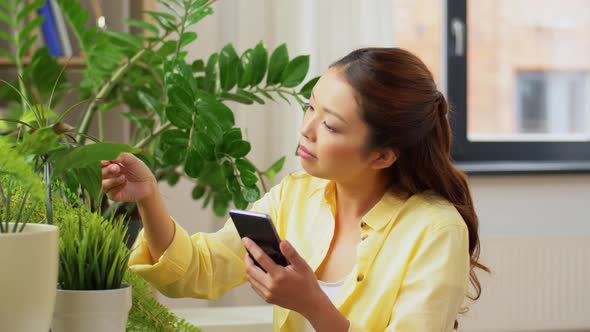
(74,62)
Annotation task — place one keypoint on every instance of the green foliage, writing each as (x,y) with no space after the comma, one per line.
(183,123)
(92,251)
(21,189)
(24,38)
(147,314)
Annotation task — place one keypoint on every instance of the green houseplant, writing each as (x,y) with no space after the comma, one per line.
(92,262)
(28,248)
(183,126)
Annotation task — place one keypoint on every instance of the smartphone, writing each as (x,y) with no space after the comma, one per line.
(259,228)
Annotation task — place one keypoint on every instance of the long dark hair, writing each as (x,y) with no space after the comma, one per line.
(404,110)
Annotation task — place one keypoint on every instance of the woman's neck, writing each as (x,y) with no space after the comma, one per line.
(355,198)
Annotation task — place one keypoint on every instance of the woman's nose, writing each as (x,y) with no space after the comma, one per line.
(307,127)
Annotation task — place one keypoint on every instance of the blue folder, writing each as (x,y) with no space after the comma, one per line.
(50,30)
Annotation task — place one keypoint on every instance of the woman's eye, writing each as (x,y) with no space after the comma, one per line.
(328,127)
(308,106)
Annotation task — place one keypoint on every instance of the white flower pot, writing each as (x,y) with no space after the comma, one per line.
(29,267)
(92,311)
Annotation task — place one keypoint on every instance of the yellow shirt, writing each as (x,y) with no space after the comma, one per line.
(411,271)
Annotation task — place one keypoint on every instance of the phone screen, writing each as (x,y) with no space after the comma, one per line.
(259,228)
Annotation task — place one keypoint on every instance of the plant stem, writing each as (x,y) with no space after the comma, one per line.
(260,176)
(177,52)
(103,93)
(155,134)
(48,192)
(100,126)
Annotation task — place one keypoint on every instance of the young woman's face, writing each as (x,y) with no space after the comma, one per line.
(333,135)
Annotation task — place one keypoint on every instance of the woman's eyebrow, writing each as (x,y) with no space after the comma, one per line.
(330,111)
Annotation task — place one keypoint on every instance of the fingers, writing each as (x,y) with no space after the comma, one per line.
(109,184)
(260,256)
(296,261)
(110,170)
(258,286)
(125,159)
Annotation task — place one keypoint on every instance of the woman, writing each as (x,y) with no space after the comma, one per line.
(380,229)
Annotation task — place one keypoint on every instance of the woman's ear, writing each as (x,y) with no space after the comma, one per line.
(384,158)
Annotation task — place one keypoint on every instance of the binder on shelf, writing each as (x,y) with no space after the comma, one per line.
(49,30)
(62,30)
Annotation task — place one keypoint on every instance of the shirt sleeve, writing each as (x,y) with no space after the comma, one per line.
(204,265)
(435,284)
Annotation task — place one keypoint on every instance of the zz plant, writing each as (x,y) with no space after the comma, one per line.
(183,124)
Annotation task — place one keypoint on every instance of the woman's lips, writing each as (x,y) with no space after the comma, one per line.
(304,153)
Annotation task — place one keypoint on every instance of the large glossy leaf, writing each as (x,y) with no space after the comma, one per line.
(142,25)
(90,179)
(165,20)
(259,63)
(87,155)
(181,108)
(228,67)
(196,4)
(308,87)
(198,15)
(198,66)
(204,146)
(179,117)
(187,38)
(251,194)
(248,178)
(194,164)
(210,83)
(221,204)
(212,175)
(175,137)
(295,72)
(272,171)
(239,149)
(174,155)
(229,137)
(251,96)
(245,77)
(245,166)
(236,97)
(223,114)
(208,124)
(198,192)
(278,61)
(124,39)
(186,72)
(150,104)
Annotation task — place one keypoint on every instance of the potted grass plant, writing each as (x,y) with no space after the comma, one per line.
(92,263)
(28,248)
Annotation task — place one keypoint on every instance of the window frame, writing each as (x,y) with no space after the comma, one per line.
(490,157)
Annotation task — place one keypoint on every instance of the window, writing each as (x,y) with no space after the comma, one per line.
(553,103)
(518,75)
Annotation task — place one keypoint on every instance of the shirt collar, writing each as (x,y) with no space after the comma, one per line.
(378,216)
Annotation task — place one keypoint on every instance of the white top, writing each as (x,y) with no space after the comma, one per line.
(332,289)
